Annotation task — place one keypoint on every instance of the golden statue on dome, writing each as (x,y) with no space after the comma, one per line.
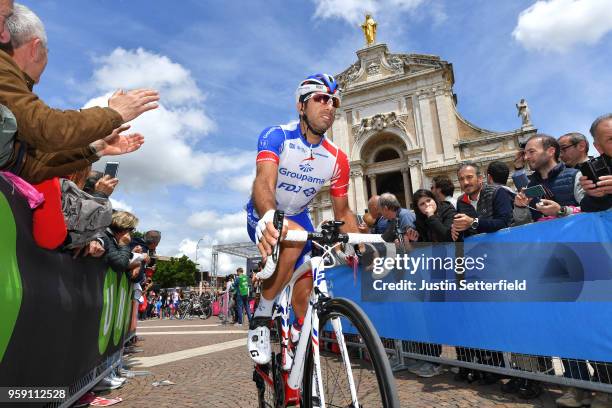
(369,29)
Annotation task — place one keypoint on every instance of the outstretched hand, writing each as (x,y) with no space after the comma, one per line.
(134,103)
(116,143)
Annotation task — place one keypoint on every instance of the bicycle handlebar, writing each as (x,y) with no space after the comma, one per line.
(328,236)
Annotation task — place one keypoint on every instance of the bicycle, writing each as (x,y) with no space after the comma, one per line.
(356,372)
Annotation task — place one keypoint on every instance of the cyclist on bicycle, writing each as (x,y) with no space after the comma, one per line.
(294,161)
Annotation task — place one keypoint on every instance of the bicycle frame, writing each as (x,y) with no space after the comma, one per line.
(295,365)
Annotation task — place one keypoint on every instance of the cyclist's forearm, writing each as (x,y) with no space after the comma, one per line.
(350,221)
(264,197)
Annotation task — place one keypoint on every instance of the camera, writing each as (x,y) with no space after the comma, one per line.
(597,167)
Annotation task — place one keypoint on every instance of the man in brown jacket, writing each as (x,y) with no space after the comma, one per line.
(6,9)
(58,142)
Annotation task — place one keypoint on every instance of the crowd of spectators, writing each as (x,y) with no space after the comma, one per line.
(487,204)
(47,154)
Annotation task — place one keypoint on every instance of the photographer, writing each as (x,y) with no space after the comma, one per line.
(599,196)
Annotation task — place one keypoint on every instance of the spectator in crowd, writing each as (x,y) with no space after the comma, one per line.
(227,305)
(242,296)
(390,208)
(519,177)
(145,246)
(433,223)
(378,222)
(100,185)
(574,149)
(117,240)
(6,10)
(50,135)
(497,173)
(599,196)
(434,219)
(86,217)
(159,305)
(28,49)
(561,183)
(443,188)
(481,207)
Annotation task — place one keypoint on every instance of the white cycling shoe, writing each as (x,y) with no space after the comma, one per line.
(258,341)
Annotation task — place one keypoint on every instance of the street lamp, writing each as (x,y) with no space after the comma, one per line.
(196,262)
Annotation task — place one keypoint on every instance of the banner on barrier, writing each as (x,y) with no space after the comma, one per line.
(60,317)
(544,288)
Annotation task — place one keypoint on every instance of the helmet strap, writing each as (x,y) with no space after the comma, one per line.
(304,117)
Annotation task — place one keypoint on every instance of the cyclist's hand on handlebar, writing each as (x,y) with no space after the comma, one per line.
(269,239)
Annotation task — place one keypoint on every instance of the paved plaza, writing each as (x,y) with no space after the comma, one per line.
(210,368)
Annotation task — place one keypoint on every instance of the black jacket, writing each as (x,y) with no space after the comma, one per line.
(436,228)
(498,210)
(116,256)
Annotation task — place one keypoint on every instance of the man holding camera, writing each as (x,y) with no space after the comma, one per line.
(599,195)
(560,183)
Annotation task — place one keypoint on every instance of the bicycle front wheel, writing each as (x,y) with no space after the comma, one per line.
(372,378)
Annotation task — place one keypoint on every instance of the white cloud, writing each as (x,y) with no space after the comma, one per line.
(243,184)
(120,205)
(353,11)
(169,155)
(143,69)
(211,220)
(559,25)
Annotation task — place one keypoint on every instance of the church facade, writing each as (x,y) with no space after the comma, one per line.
(399,126)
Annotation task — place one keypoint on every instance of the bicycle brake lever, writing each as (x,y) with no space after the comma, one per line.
(279,217)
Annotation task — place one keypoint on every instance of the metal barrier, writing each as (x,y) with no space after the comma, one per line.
(84,384)
(591,375)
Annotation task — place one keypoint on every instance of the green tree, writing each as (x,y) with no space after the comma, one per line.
(175,272)
(137,234)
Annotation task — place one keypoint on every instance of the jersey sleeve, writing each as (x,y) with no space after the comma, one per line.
(270,144)
(340,180)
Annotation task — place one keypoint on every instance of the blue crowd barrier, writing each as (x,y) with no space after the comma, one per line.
(573,291)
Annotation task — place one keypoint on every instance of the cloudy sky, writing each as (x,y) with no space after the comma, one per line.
(228,69)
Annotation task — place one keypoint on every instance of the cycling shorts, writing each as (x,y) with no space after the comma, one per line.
(302,219)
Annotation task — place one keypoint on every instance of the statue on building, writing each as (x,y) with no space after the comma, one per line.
(369,29)
(524,113)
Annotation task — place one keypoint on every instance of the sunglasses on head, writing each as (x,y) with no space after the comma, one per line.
(325,99)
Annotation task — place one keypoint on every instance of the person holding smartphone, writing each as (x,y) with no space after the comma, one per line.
(561,184)
(599,195)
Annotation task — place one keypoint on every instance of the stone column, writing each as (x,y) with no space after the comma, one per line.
(428,130)
(407,187)
(448,123)
(415,175)
(372,178)
(360,190)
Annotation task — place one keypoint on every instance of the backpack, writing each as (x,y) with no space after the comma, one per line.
(86,216)
(12,151)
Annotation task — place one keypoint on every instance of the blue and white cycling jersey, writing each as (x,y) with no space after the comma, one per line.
(303,168)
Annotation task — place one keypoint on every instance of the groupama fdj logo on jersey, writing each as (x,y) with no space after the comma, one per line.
(115,310)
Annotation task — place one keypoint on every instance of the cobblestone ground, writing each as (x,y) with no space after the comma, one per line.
(223,378)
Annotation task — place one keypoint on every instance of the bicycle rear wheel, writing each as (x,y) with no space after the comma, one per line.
(371,371)
(206,311)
